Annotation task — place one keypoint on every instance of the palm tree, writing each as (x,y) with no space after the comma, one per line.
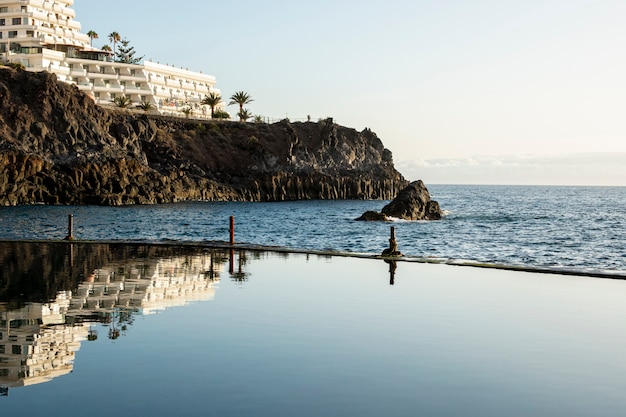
(145,106)
(244,115)
(92,35)
(122,101)
(114,38)
(212,100)
(106,48)
(241,98)
(187,111)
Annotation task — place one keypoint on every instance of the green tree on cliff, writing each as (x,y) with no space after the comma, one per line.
(221,114)
(212,100)
(244,115)
(146,106)
(241,98)
(122,101)
(126,53)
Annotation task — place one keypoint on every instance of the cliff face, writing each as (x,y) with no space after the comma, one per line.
(58,147)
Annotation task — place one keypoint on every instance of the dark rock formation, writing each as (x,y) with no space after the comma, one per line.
(412,203)
(373,216)
(58,147)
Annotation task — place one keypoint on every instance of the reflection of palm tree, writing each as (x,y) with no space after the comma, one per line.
(93,335)
(118,322)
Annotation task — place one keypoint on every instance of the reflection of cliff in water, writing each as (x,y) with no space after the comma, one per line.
(52,294)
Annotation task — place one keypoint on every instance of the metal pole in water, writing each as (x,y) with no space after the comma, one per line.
(232,230)
(70,227)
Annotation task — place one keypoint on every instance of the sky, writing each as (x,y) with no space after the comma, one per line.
(462,92)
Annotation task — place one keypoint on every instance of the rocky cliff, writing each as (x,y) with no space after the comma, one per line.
(58,147)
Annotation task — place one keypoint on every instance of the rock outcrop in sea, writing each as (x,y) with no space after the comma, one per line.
(58,147)
(412,203)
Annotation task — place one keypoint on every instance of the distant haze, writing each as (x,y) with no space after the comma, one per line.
(512,92)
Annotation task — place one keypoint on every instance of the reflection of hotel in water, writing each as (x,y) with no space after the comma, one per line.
(38,342)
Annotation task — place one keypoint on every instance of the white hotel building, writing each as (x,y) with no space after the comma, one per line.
(42,35)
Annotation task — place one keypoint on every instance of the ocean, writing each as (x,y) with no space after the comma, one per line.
(581,229)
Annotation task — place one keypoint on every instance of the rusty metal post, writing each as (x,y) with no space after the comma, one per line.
(232,230)
(392,250)
(393,245)
(70,227)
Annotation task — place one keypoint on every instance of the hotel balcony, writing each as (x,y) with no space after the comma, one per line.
(107,89)
(100,76)
(137,90)
(133,78)
(60,70)
(157,80)
(78,73)
(172,83)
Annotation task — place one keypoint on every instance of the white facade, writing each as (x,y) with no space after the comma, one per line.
(42,35)
(37,343)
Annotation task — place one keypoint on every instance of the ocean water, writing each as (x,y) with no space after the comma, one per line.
(570,228)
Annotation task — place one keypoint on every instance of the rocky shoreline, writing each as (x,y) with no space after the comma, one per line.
(58,147)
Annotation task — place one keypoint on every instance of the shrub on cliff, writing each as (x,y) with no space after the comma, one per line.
(221,114)
(122,101)
(16,66)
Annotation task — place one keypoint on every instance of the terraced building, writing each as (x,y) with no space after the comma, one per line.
(43,35)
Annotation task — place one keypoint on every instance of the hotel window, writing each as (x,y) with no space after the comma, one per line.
(4,10)
(102,70)
(17,21)
(12,34)
(112,96)
(2,349)
(132,73)
(0,35)
(97,95)
(3,22)
(16,349)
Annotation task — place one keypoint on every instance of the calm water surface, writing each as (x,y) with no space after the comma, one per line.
(141,330)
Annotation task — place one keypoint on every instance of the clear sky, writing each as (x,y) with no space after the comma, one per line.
(480,91)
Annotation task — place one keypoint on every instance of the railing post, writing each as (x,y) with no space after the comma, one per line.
(70,227)
(232,230)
